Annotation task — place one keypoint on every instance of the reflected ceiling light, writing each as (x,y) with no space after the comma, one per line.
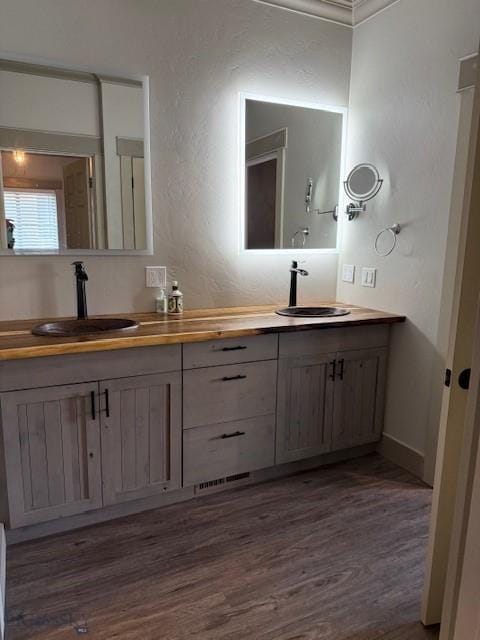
(19,156)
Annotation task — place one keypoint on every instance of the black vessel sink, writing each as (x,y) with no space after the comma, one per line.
(312,312)
(72,328)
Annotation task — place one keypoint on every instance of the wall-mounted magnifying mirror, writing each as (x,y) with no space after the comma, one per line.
(292,175)
(362,184)
(72,162)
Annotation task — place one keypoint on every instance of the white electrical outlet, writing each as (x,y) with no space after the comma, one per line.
(156,277)
(369,277)
(348,273)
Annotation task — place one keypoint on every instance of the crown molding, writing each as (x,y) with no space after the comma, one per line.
(365,9)
(347,12)
(339,11)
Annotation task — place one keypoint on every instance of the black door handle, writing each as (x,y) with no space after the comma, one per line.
(230,378)
(448,377)
(464,379)
(238,348)
(342,365)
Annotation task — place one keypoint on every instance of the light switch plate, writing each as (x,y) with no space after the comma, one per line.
(156,277)
(348,273)
(369,277)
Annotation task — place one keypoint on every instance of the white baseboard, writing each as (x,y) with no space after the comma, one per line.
(402,455)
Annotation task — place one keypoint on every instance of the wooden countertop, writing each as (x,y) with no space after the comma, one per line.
(16,341)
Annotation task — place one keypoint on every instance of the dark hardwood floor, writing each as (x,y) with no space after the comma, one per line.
(333,554)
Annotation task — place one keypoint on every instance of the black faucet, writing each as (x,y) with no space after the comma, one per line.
(294,271)
(81,276)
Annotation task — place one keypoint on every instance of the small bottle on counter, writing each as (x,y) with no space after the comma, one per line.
(161,302)
(175,299)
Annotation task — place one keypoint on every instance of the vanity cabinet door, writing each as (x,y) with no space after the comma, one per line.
(305,405)
(52,452)
(359,397)
(141,436)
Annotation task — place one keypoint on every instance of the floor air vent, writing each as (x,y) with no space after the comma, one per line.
(220,483)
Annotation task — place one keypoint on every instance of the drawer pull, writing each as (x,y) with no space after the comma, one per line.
(107,403)
(232,435)
(92,404)
(238,348)
(230,378)
(333,364)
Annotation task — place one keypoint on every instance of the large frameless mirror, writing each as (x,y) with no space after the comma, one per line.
(293,163)
(73,170)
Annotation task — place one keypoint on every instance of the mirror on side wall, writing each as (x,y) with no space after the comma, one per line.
(73,166)
(292,175)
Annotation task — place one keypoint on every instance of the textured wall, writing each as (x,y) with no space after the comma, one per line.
(199,54)
(404,118)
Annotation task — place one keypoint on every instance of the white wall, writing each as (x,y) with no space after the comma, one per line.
(199,55)
(404,118)
(48,104)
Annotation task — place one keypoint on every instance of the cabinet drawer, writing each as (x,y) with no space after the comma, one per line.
(230,351)
(84,367)
(223,394)
(216,451)
(318,341)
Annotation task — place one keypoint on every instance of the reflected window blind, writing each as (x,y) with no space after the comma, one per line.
(34,214)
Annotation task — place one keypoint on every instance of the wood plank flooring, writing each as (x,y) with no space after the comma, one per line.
(333,554)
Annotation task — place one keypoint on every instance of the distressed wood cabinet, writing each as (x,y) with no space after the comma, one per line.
(358,397)
(229,404)
(305,407)
(222,450)
(330,399)
(61,441)
(141,436)
(116,427)
(52,452)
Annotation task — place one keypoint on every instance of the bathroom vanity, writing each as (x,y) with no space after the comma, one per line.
(96,427)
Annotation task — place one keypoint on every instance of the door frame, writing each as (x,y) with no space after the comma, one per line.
(271,151)
(461,619)
(446,537)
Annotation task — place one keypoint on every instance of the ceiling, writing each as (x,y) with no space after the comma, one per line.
(348,12)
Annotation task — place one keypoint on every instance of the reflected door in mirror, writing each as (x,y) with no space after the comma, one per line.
(261,203)
(77,184)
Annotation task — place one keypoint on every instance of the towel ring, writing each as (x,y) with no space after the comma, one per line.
(394,230)
(305,231)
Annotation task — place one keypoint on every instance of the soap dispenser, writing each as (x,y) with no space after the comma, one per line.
(161,303)
(175,299)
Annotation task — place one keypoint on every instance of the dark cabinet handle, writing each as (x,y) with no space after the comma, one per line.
(333,364)
(224,436)
(92,404)
(107,403)
(230,378)
(239,348)
(341,362)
